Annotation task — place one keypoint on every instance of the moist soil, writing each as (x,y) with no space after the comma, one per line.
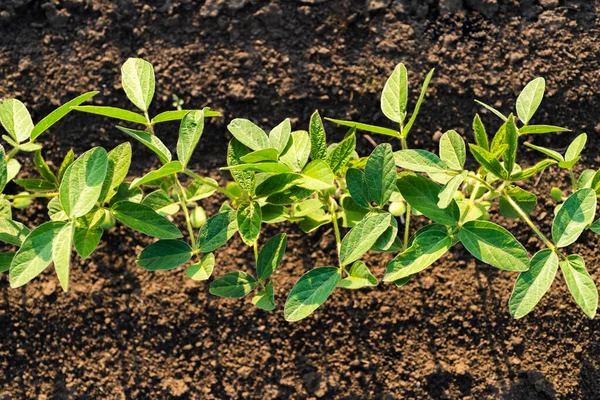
(122,332)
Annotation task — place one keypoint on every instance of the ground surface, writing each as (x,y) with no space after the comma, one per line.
(125,333)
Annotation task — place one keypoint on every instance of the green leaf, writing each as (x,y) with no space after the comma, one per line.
(580,284)
(3,169)
(5,261)
(62,247)
(366,127)
(448,191)
(268,167)
(29,147)
(245,179)
(481,137)
(168,169)
(573,217)
(113,112)
(512,141)
(395,95)
(12,232)
(540,129)
(296,155)
(279,136)
(164,255)
(426,248)
(423,195)
(124,192)
(190,131)
(595,227)
(48,121)
(265,299)
(67,161)
(260,156)
(249,218)
(161,202)
(550,153)
(201,189)
(413,117)
(530,99)
(36,185)
(533,284)
(144,219)
(529,172)
(217,231)
(86,240)
(233,285)
(137,77)
(202,270)
(150,141)
(380,174)
(270,256)
(35,254)
(526,201)
(494,245)
(355,180)
(359,277)
(452,150)
(5,209)
(119,161)
(290,195)
(248,134)
(488,161)
(176,115)
(16,119)
(492,109)
(310,292)
(275,184)
(341,154)
(363,236)
(574,149)
(419,161)
(82,183)
(43,168)
(316,176)
(318,140)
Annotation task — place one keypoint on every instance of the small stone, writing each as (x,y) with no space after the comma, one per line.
(376,5)
(549,4)
(211,8)
(451,6)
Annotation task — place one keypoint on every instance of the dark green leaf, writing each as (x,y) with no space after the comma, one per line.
(48,121)
(366,127)
(580,284)
(190,131)
(380,174)
(359,277)
(217,231)
(270,256)
(144,219)
(527,202)
(233,285)
(164,255)
(318,144)
(249,218)
(113,112)
(150,141)
(576,213)
(310,292)
(363,236)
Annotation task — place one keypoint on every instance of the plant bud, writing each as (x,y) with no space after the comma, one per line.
(397,208)
(198,217)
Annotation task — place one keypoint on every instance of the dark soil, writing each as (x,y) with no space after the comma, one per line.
(122,332)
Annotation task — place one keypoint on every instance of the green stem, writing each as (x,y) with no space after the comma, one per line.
(11,154)
(336,228)
(470,204)
(404,145)
(206,182)
(255,246)
(573,180)
(188,221)
(30,196)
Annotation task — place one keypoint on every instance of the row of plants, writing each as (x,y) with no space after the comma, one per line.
(296,176)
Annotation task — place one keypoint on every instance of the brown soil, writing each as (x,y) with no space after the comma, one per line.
(124,333)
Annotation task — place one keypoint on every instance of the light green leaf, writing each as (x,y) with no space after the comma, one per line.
(540,129)
(366,127)
(341,154)
(355,180)
(415,112)
(492,109)
(161,202)
(86,240)
(279,136)
(48,121)
(190,131)
(164,255)
(245,179)
(67,161)
(201,189)
(168,169)
(12,232)
(275,184)
(529,172)
(176,115)
(233,285)
(144,219)
(512,141)
(119,160)
(494,245)
(5,261)
(16,119)
(270,256)
(530,99)
(3,169)
(419,161)
(137,77)
(249,218)
(452,150)
(359,277)
(217,231)
(36,185)
(260,156)
(43,168)
(82,183)
(488,161)
(580,284)
(35,254)
(318,140)
(550,153)
(247,133)
(573,217)
(426,248)
(380,174)
(395,95)
(124,192)
(310,292)
(531,285)
(481,137)
(363,236)
(265,299)
(574,149)
(62,247)
(268,166)
(423,195)
(202,270)
(12,169)
(297,154)
(448,191)
(527,202)
(316,176)
(150,141)
(113,112)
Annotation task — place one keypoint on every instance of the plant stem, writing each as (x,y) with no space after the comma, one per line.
(206,182)
(336,228)
(573,181)
(255,246)
(471,203)
(404,145)
(188,221)
(30,196)
(11,154)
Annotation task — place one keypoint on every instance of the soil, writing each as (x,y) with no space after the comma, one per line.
(122,332)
